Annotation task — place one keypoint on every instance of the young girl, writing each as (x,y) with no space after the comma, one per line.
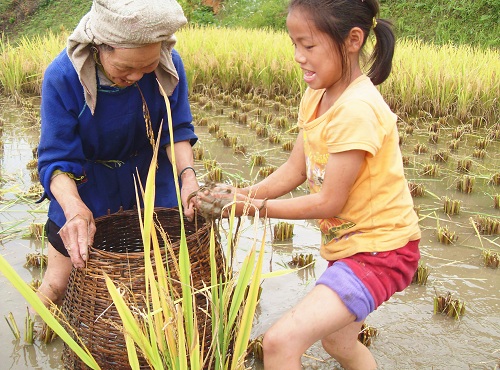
(348,151)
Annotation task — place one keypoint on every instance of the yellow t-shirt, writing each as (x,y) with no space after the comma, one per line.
(378,215)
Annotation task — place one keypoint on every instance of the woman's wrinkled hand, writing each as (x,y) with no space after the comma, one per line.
(77,235)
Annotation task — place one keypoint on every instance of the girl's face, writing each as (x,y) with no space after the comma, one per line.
(126,66)
(314,51)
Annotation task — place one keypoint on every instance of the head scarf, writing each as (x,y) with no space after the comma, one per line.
(125,24)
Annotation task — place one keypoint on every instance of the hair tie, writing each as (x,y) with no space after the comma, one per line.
(374,23)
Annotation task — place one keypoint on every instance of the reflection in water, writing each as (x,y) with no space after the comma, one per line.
(410,335)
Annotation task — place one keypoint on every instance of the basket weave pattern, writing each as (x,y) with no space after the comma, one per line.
(118,252)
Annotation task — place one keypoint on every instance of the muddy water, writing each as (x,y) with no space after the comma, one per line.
(410,335)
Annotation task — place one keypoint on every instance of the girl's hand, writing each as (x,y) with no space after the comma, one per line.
(77,234)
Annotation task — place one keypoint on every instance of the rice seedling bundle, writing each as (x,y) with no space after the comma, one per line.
(449,306)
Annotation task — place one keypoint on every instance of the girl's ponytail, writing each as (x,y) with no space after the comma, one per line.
(383,51)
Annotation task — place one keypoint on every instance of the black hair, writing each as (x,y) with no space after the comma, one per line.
(336,18)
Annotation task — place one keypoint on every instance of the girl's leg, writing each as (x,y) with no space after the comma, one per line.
(344,346)
(55,279)
(318,315)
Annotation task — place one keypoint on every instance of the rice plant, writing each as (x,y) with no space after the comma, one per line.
(451,206)
(464,165)
(487,225)
(266,171)
(466,183)
(421,275)
(367,334)
(448,306)
(496,201)
(445,236)
(302,260)
(287,146)
(416,190)
(441,156)
(283,230)
(11,322)
(495,179)
(431,170)
(36,260)
(420,148)
(490,258)
(257,160)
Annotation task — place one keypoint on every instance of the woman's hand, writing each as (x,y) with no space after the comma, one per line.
(78,233)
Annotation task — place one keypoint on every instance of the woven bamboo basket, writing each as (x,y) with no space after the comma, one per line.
(118,252)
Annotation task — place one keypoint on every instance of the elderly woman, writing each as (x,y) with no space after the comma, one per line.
(101,111)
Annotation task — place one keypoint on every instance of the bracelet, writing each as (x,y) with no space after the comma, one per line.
(263,205)
(184,170)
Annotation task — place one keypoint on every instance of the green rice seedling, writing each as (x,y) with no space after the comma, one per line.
(451,206)
(496,201)
(287,146)
(198,153)
(446,236)
(215,174)
(302,260)
(367,334)
(464,165)
(482,143)
(466,183)
(416,190)
(283,231)
(32,164)
(257,160)
(433,137)
(239,149)
(454,144)
(420,148)
(11,322)
(261,130)
(266,171)
(214,127)
(479,153)
(495,179)
(429,169)
(487,225)
(29,328)
(441,156)
(448,306)
(274,137)
(36,260)
(491,259)
(209,164)
(421,275)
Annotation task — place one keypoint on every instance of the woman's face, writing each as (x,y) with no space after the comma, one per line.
(126,66)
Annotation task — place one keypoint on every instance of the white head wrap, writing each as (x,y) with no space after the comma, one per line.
(125,24)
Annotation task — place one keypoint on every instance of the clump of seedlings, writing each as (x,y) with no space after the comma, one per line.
(496,201)
(268,118)
(274,137)
(301,260)
(32,164)
(215,174)
(287,146)
(466,183)
(35,191)
(283,231)
(221,134)
(431,170)
(482,143)
(491,259)
(487,225)
(46,334)
(214,128)
(242,118)
(421,275)
(261,130)
(479,153)
(406,160)
(239,149)
(281,122)
(209,164)
(448,306)
(458,133)
(477,122)
(402,138)
(464,165)
(36,260)
(446,236)
(409,129)
(209,105)
(441,157)
(367,334)
(266,171)
(293,130)
(34,176)
(451,206)
(495,179)
(198,153)
(433,137)
(230,141)
(36,230)
(416,190)
(420,148)
(257,160)
(255,348)
(246,108)
(454,144)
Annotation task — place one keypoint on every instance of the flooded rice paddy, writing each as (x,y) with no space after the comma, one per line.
(242,139)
